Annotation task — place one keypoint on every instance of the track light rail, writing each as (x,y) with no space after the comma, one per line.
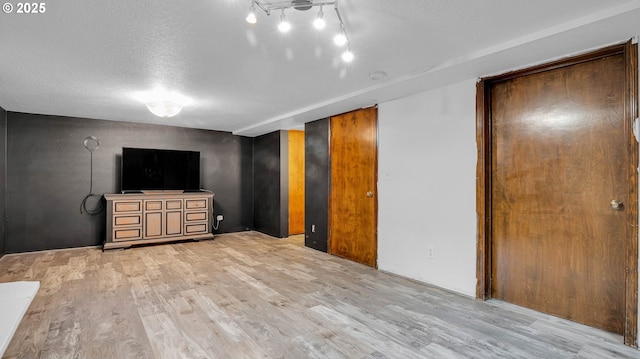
(340,39)
(267,7)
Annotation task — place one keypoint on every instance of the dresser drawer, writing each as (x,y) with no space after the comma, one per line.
(130,220)
(195,216)
(128,206)
(196,203)
(152,205)
(195,228)
(174,204)
(127,234)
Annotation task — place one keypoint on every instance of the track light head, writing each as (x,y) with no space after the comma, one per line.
(319,23)
(251,17)
(284,25)
(340,39)
(347,56)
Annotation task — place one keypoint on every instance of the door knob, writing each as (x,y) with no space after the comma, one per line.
(615,204)
(369,194)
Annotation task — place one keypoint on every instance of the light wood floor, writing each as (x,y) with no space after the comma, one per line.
(248,295)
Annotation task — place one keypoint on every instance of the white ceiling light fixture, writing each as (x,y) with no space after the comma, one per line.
(341,39)
(161,102)
(164,108)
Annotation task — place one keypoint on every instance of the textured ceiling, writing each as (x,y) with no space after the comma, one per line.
(89,58)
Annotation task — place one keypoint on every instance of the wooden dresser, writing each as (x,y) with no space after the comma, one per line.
(157,217)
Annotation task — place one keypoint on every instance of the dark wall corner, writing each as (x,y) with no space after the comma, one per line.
(3,180)
(268,191)
(284,183)
(247,183)
(317,173)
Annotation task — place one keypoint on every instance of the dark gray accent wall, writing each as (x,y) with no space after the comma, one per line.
(49,171)
(270,184)
(3,178)
(316,183)
(284,184)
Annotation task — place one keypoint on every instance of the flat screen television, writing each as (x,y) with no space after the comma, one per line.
(159,170)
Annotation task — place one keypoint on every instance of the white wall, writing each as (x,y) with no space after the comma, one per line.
(426,187)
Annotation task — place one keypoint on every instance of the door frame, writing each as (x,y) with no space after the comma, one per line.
(483,174)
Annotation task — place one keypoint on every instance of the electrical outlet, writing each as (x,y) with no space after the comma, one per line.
(220,217)
(430,252)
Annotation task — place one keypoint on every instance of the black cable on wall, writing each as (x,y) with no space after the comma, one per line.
(91,143)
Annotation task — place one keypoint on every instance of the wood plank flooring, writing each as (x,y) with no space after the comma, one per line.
(247,295)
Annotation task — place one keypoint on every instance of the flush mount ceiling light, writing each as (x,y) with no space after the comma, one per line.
(341,39)
(164,108)
(161,102)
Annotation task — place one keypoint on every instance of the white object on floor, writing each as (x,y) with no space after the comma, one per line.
(15,298)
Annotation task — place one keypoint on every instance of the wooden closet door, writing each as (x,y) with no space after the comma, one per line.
(353,195)
(560,191)
(296,182)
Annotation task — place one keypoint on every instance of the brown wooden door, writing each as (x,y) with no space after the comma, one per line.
(559,158)
(296,182)
(353,197)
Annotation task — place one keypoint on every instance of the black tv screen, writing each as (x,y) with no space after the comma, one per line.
(152,169)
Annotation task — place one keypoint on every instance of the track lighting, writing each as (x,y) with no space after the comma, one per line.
(319,23)
(341,39)
(284,25)
(347,56)
(251,18)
